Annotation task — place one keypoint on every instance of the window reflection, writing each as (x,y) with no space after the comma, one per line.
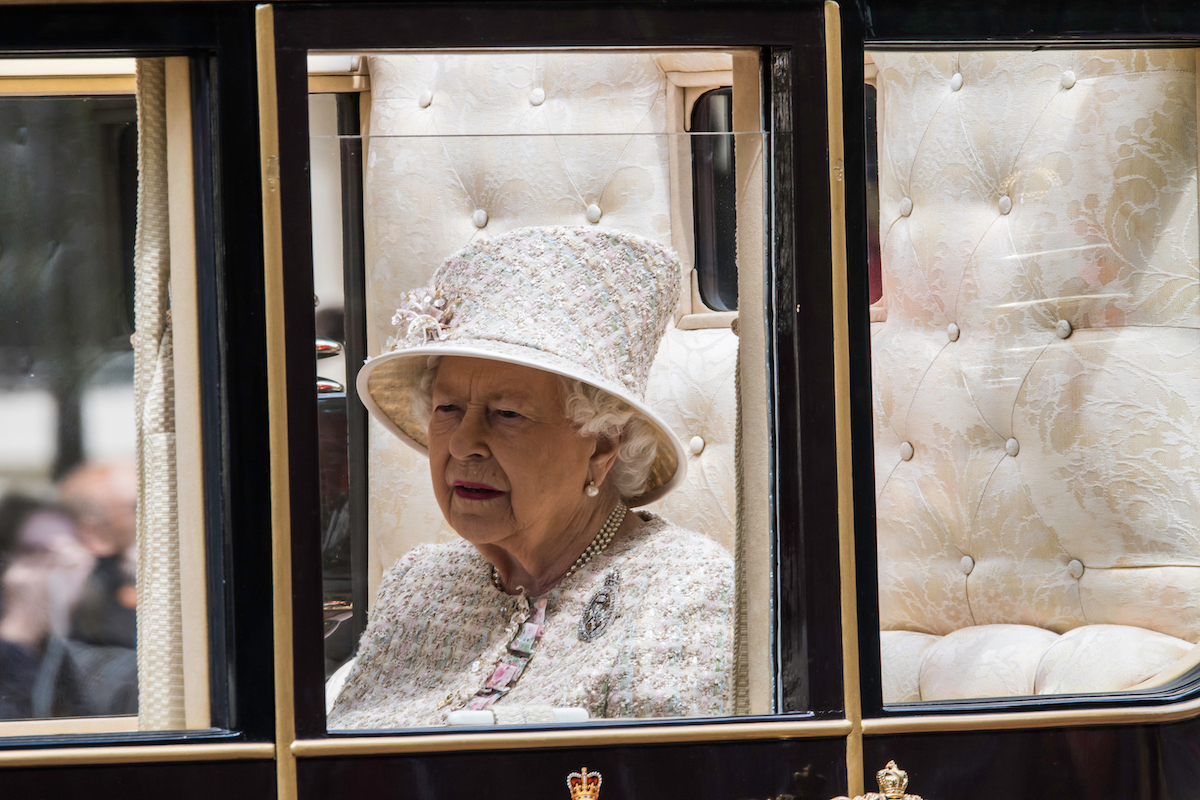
(103,568)
(68,484)
(1035,372)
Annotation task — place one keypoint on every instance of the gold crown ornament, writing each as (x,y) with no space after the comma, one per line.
(584,785)
(893,783)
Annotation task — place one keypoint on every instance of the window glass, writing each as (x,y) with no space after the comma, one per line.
(715,193)
(1036,373)
(464,154)
(90,541)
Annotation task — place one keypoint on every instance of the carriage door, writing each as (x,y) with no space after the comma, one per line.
(394,136)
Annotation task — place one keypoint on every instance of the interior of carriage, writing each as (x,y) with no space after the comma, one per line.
(1033,329)
(1034,371)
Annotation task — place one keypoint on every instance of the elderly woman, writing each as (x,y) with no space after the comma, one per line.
(521,372)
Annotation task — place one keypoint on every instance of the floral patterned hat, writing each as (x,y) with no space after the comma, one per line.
(586,303)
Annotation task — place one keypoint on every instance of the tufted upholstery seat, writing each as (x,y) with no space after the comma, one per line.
(466,146)
(1037,378)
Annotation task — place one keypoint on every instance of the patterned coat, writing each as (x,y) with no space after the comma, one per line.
(439,628)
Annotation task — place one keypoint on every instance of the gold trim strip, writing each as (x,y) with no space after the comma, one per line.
(45,86)
(67,725)
(136,754)
(328,84)
(574,737)
(1012,720)
(841,388)
(281,547)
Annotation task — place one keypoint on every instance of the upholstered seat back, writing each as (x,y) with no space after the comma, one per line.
(467,146)
(1037,379)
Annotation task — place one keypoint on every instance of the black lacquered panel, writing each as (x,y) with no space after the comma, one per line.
(198,780)
(931,21)
(812,768)
(1145,762)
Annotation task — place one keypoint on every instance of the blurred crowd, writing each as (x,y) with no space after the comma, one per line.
(68,597)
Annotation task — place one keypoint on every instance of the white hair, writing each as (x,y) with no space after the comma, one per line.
(592,412)
(595,412)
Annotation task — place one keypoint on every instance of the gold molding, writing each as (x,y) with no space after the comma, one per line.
(571,737)
(281,547)
(57,726)
(841,389)
(185,322)
(136,754)
(54,85)
(328,84)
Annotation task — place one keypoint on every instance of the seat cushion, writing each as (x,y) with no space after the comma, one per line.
(1019,660)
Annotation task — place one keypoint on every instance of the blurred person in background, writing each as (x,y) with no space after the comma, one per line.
(103,499)
(102,634)
(68,620)
(43,569)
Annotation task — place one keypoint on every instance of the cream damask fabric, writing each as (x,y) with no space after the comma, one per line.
(1037,381)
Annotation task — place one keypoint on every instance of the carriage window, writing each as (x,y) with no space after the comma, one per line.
(526,225)
(101,529)
(1036,372)
(715,194)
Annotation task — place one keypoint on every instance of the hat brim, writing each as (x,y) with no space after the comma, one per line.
(388,385)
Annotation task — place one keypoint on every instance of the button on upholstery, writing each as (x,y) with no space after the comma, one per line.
(1012,447)
(953,332)
(537,96)
(1068,79)
(956,82)
(696,445)
(966,565)
(905,206)
(479,217)
(593,213)
(906,451)
(1063,329)
(1075,568)
(425,99)
(1005,204)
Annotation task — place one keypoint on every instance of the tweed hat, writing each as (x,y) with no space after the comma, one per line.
(585,303)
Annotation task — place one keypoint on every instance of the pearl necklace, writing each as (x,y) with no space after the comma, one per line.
(607,532)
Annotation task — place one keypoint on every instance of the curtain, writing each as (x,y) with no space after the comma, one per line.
(159,621)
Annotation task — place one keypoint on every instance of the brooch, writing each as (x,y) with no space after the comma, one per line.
(424,317)
(600,609)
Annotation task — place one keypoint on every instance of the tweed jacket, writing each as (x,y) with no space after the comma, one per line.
(439,627)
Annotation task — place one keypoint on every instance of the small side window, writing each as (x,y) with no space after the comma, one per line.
(714,196)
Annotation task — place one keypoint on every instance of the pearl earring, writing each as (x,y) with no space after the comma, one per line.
(591,490)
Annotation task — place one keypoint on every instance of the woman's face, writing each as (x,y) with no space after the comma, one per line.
(508,468)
